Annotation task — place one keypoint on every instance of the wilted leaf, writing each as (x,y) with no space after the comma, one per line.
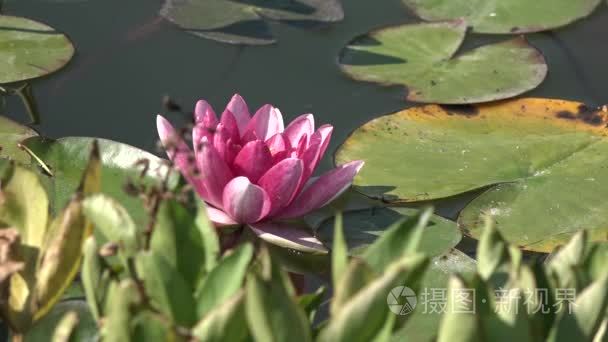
(422,58)
(542,159)
(24,206)
(31,49)
(60,258)
(10,259)
(499,16)
(244,22)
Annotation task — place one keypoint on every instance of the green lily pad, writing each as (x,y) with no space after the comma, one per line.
(11,134)
(363,227)
(422,58)
(499,16)
(544,162)
(30,49)
(244,21)
(67,159)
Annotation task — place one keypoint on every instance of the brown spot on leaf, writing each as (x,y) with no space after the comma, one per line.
(564,114)
(585,114)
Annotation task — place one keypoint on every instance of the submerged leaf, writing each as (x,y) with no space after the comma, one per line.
(244,22)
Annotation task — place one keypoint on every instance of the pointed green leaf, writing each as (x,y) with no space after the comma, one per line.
(224,280)
(364,315)
(339,251)
(225,322)
(167,288)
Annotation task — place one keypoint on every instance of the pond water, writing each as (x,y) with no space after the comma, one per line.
(128,58)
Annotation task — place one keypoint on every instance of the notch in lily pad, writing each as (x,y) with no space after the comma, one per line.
(246,21)
(422,58)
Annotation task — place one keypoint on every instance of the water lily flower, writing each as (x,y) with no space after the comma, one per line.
(253,171)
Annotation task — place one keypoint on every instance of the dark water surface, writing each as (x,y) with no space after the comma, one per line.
(128,58)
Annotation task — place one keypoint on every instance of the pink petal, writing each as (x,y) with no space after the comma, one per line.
(239,108)
(179,153)
(219,218)
(266,122)
(324,190)
(281,182)
(278,143)
(302,125)
(245,202)
(229,123)
(288,237)
(204,114)
(215,174)
(325,132)
(253,160)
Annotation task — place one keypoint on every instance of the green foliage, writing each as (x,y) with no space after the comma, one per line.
(562,300)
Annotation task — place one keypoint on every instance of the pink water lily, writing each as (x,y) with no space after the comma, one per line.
(256,172)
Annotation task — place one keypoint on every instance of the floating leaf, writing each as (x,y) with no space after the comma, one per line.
(422,58)
(363,227)
(544,159)
(67,157)
(31,49)
(499,16)
(244,22)
(11,134)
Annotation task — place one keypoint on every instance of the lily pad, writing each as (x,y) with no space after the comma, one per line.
(11,134)
(245,21)
(422,58)
(363,227)
(30,49)
(544,162)
(499,16)
(67,159)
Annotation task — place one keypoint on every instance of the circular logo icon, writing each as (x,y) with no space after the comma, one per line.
(401,300)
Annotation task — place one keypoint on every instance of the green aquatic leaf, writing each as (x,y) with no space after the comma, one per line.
(245,22)
(11,134)
(499,16)
(422,58)
(66,159)
(84,329)
(363,227)
(542,160)
(30,49)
